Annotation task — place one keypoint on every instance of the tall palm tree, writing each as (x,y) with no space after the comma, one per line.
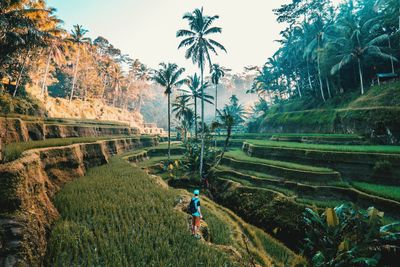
(117,80)
(195,92)
(78,38)
(54,52)
(216,74)
(359,40)
(200,46)
(168,76)
(323,34)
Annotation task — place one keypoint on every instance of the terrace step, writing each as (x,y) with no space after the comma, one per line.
(302,190)
(284,170)
(355,162)
(333,139)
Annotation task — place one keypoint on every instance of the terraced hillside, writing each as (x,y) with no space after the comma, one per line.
(32,172)
(138,226)
(269,183)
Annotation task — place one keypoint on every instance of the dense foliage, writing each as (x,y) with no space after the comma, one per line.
(66,64)
(328,50)
(346,236)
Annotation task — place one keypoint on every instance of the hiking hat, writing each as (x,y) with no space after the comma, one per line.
(196,192)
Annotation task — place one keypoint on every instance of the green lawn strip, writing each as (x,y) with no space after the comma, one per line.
(118,216)
(323,147)
(238,154)
(14,150)
(385,191)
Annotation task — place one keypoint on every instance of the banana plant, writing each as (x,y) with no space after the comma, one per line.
(348,236)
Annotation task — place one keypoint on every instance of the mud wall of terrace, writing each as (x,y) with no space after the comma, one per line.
(18,130)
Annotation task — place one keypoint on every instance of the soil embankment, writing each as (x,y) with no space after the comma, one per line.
(19,130)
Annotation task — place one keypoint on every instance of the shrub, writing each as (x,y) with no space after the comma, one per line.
(276,214)
(382,168)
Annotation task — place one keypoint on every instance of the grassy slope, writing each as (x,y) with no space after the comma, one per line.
(379,103)
(342,148)
(240,155)
(384,95)
(117,216)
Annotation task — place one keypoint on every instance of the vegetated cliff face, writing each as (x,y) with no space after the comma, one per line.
(379,124)
(18,130)
(27,186)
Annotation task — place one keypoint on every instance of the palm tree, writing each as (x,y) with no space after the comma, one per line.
(183,113)
(180,106)
(200,46)
(117,80)
(323,34)
(359,40)
(216,74)
(55,52)
(228,117)
(138,72)
(168,76)
(196,92)
(78,38)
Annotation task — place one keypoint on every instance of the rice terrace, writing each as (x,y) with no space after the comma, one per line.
(200,133)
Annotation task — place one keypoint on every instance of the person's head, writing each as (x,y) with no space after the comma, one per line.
(196,192)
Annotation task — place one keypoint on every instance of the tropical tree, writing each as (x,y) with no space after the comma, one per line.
(359,40)
(117,80)
(323,34)
(200,46)
(216,74)
(78,38)
(195,91)
(168,76)
(55,53)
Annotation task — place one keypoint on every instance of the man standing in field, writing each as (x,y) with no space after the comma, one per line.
(194,209)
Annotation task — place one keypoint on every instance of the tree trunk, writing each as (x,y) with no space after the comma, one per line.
(45,75)
(320,79)
(216,108)
(329,88)
(202,121)
(361,76)
(195,118)
(75,74)
(20,73)
(391,59)
(309,77)
(169,127)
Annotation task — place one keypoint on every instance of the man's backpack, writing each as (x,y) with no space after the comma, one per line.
(192,208)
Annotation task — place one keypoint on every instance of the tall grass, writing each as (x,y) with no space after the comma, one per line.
(117,216)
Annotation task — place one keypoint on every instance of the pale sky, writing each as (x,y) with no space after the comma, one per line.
(146,29)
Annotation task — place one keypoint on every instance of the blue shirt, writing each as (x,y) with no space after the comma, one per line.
(197,205)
